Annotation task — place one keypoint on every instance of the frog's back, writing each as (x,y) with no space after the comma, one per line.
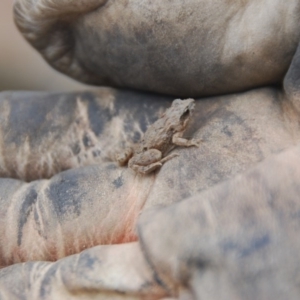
(157,136)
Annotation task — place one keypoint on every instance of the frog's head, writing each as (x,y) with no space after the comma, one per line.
(184,109)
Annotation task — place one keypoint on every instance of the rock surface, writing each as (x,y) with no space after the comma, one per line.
(182,48)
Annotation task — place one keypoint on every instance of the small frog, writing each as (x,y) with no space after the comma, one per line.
(161,137)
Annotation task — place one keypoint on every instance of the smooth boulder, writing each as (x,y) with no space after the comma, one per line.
(182,48)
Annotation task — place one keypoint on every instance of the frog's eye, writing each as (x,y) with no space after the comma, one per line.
(176,102)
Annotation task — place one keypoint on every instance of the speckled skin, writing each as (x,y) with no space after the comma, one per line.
(160,138)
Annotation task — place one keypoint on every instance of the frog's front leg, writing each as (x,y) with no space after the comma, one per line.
(146,162)
(178,140)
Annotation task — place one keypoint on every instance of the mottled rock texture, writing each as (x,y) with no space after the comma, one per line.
(66,194)
(217,222)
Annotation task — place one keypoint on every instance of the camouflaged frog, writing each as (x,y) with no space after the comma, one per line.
(160,138)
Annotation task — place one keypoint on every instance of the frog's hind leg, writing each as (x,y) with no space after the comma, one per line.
(168,157)
(152,167)
(146,169)
(178,140)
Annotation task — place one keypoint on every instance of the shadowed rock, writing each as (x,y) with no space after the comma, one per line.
(184,48)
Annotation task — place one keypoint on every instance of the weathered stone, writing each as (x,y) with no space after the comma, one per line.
(184,48)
